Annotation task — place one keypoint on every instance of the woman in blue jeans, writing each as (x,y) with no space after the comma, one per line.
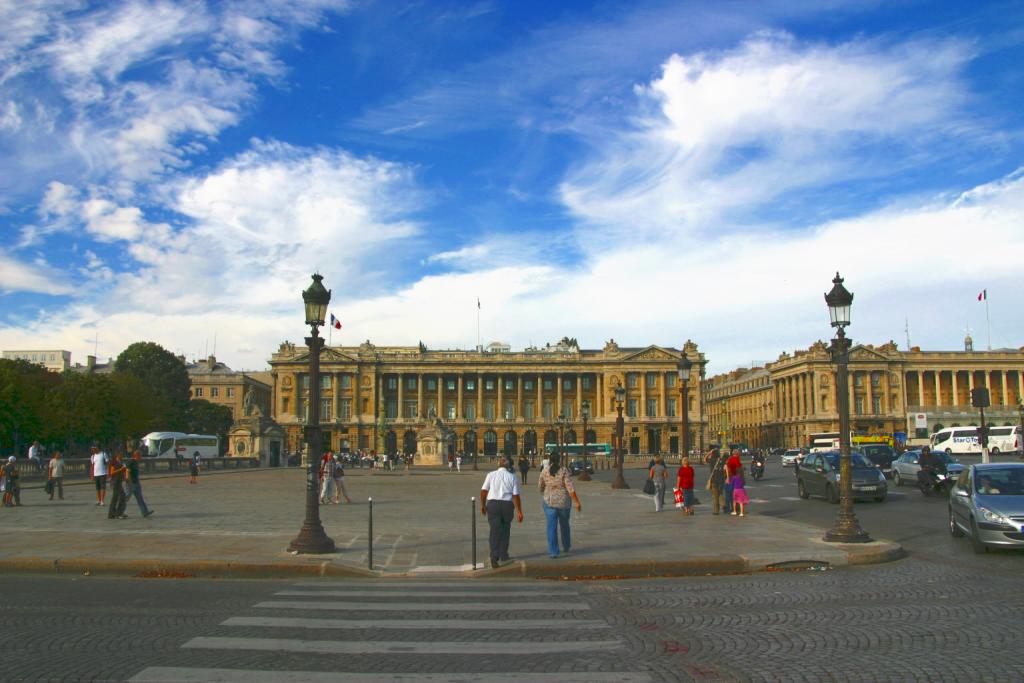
(558,495)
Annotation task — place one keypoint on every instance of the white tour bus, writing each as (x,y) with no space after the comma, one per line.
(180,445)
(956,440)
(1004,439)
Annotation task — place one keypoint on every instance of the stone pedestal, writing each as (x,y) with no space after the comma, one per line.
(256,436)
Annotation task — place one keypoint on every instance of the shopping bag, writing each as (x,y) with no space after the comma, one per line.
(649,487)
(679,497)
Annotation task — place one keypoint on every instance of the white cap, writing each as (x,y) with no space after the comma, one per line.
(11,459)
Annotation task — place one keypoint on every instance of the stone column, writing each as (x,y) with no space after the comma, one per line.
(953,386)
(920,388)
(440,397)
(539,417)
(643,394)
(519,395)
(579,396)
(1004,402)
(337,395)
(500,414)
(663,388)
(869,394)
(401,397)
(558,387)
(458,406)
(419,396)
(1020,387)
(970,381)
(480,396)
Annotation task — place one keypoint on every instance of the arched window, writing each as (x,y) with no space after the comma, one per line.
(509,448)
(409,442)
(469,442)
(490,443)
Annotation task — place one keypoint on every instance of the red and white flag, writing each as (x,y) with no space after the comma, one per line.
(983,296)
(335,323)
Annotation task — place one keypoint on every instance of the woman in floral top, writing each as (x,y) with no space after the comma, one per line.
(556,488)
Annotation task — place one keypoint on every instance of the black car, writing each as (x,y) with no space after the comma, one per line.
(576,466)
(818,475)
(880,455)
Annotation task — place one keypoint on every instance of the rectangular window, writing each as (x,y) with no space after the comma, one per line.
(470,411)
(450,383)
(528,384)
(410,383)
(858,379)
(470,385)
(430,406)
(858,405)
(549,384)
(304,381)
(528,410)
(346,381)
(214,392)
(284,404)
(391,408)
(409,410)
(876,405)
(631,380)
(876,379)
(325,408)
(346,408)
(198,392)
(671,407)
(489,409)
(488,385)
(585,381)
(392,383)
(670,380)
(566,384)
(549,410)
(652,407)
(652,380)
(567,406)
(509,411)
(231,392)
(510,385)
(449,410)
(631,406)
(431,385)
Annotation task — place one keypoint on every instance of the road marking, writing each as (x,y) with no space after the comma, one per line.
(414,624)
(424,594)
(788,498)
(775,486)
(166,674)
(421,607)
(474,647)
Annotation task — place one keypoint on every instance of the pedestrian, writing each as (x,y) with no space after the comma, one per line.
(524,466)
(732,465)
(658,473)
(55,475)
(555,486)
(193,468)
(35,452)
(451,462)
(716,482)
(739,493)
(327,466)
(499,498)
(339,481)
(116,477)
(100,462)
(684,481)
(135,484)
(11,494)
(458,462)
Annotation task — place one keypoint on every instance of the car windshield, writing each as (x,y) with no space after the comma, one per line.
(856,460)
(1000,482)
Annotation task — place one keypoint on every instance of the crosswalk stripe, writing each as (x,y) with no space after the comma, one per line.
(474,647)
(421,606)
(415,624)
(411,585)
(422,594)
(167,674)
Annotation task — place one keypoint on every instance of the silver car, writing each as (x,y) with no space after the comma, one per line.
(792,457)
(906,467)
(987,504)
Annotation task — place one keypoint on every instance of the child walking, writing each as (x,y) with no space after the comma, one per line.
(739,493)
(684,481)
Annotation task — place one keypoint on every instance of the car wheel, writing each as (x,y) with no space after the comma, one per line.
(832,494)
(896,478)
(954,530)
(800,490)
(979,547)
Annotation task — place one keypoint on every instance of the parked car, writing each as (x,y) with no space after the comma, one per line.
(576,466)
(906,467)
(987,504)
(880,455)
(818,475)
(792,457)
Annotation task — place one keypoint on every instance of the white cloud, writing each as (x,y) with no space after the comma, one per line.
(39,277)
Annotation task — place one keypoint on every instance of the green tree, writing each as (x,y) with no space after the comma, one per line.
(24,412)
(165,378)
(85,410)
(210,418)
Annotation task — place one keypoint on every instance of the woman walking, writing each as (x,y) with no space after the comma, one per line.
(327,465)
(684,481)
(658,473)
(556,489)
(339,481)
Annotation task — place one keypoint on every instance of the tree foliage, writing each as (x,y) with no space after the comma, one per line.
(209,418)
(166,380)
(23,405)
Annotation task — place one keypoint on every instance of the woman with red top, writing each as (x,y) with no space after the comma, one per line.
(684,481)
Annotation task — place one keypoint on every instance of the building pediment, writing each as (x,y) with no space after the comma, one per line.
(864,354)
(326,356)
(655,353)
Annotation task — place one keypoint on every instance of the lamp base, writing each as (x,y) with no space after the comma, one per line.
(847,530)
(312,540)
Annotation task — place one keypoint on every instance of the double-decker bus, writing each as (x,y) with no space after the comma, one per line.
(180,445)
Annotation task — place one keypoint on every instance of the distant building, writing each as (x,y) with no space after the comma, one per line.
(93,367)
(54,360)
(217,383)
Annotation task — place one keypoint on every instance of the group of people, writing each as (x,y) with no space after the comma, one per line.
(332,479)
(124,481)
(725,482)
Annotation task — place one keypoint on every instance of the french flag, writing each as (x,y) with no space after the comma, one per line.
(983,296)
(335,323)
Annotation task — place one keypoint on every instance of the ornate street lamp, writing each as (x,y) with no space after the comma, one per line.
(311,538)
(619,482)
(700,398)
(1020,437)
(846,528)
(585,411)
(560,422)
(684,421)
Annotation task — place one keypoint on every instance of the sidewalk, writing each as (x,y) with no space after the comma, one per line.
(239,524)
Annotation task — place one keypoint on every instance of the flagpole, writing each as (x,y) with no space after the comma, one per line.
(478,347)
(988,323)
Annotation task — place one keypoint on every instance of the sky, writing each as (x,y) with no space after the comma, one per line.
(648,172)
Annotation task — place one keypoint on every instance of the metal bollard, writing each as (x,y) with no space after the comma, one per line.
(472,514)
(369,561)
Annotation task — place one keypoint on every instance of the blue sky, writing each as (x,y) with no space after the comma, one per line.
(645,171)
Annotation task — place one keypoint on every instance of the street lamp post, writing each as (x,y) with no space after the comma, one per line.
(619,482)
(311,538)
(700,398)
(560,422)
(684,421)
(585,413)
(846,528)
(1020,437)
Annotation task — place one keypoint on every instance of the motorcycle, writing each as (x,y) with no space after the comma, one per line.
(940,483)
(757,469)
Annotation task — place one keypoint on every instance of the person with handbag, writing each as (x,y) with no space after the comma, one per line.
(555,486)
(657,474)
(716,483)
(684,482)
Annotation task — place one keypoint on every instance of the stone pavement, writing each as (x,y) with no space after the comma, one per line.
(240,524)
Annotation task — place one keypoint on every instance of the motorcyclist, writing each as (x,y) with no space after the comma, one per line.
(931,466)
(757,461)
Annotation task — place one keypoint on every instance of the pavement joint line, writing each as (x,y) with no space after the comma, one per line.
(163,674)
(397,647)
(422,606)
(415,624)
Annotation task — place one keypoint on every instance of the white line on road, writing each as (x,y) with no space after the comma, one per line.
(468,624)
(421,607)
(166,674)
(474,647)
(425,594)
(788,498)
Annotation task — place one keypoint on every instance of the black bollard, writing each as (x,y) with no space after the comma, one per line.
(472,515)
(369,561)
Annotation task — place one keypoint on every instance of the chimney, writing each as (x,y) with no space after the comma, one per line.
(90,363)
(212,362)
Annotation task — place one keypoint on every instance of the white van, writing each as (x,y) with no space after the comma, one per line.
(1003,439)
(956,440)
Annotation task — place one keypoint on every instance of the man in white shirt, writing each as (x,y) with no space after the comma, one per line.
(499,498)
(34,453)
(100,462)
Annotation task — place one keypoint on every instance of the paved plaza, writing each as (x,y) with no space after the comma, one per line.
(240,524)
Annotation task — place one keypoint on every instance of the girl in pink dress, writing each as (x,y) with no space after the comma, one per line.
(739,494)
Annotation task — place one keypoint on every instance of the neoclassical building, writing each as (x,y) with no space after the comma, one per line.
(891,392)
(487,400)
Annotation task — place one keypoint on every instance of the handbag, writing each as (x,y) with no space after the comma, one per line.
(49,486)
(649,487)
(678,493)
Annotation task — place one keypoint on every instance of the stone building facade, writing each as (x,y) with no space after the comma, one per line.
(738,406)
(217,383)
(488,401)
